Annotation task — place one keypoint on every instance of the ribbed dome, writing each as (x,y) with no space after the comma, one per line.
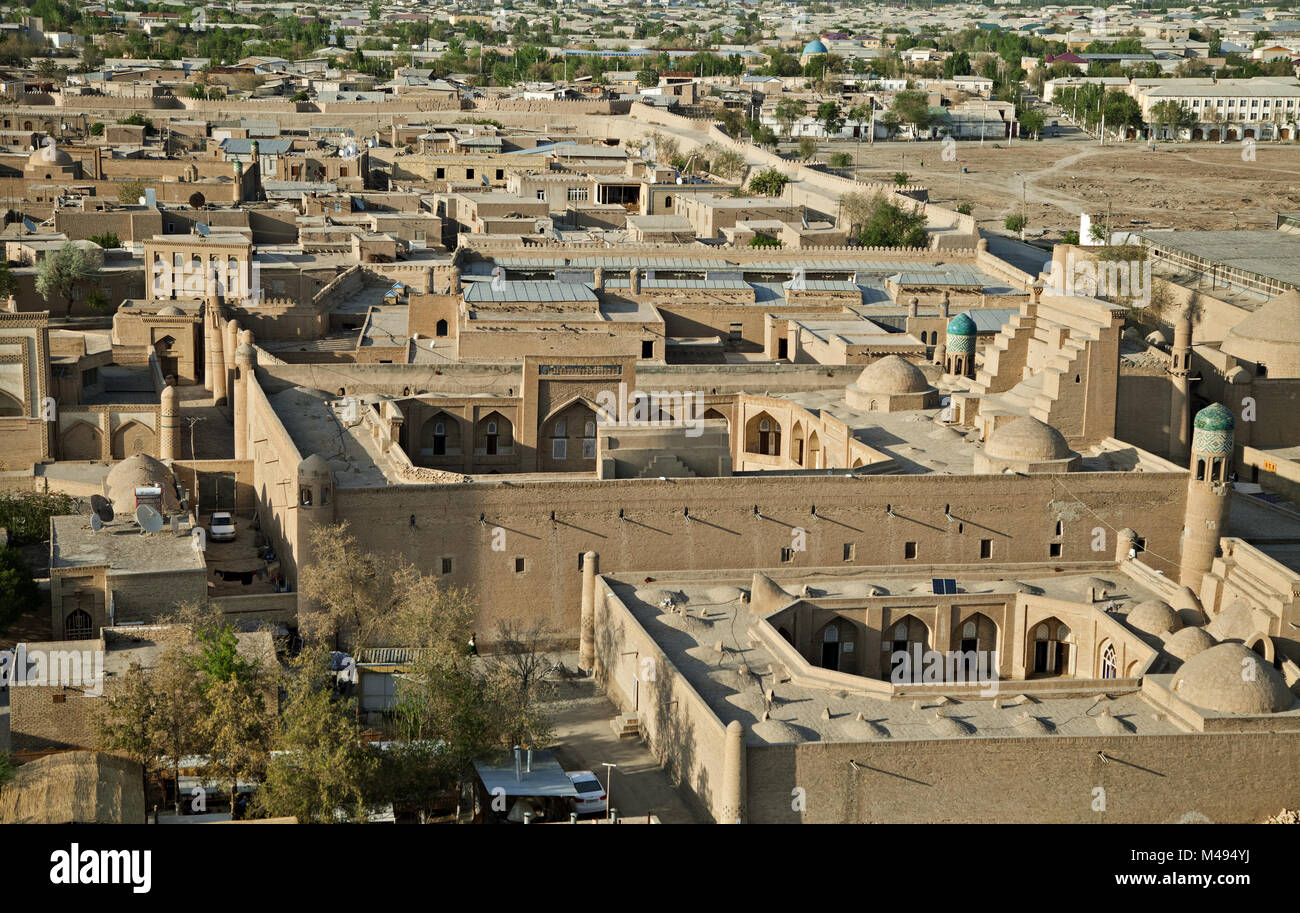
(961,325)
(1027,439)
(1270,336)
(1154,617)
(1188,642)
(140,471)
(814,47)
(1229,678)
(892,375)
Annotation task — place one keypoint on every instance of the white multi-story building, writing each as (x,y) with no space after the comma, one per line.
(1264,108)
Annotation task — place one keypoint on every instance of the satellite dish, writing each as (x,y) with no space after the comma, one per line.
(95,523)
(148,519)
(102,508)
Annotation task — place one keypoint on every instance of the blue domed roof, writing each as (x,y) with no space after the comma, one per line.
(1215,417)
(961,325)
(815,47)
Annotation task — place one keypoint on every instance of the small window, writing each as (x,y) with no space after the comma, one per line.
(501,173)
(581,559)
(849,551)
(469,174)
(787,555)
(519,565)
(647,348)
(909,550)
(446,565)
(441,173)
(986,548)
(589,448)
(560,449)
(1139,545)
(541,195)
(1060,527)
(737,332)
(1054,550)
(561,428)
(304,496)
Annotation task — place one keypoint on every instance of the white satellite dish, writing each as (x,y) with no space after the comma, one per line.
(95,523)
(148,519)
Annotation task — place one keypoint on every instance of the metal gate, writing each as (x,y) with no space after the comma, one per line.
(216,491)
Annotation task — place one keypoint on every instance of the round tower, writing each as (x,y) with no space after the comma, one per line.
(1208,492)
(245,363)
(315,504)
(1180,366)
(169,439)
(217,358)
(959,347)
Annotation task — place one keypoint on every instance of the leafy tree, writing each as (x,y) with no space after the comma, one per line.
(911,107)
(18,591)
(1070,237)
(62,271)
(729,164)
(648,77)
(1170,113)
(807,147)
(325,765)
(831,117)
(97,128)
(130,192)
(901,178)
(1031,121)
(789,111)
(108,240)
(1015,223)
(769,182)
(841,160)
(888,224)
(965,208)
(764,241)
(8,283)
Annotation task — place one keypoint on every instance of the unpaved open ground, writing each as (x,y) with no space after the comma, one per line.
(1192,185)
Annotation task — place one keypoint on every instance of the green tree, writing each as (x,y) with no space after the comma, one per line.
(1031,121)
(1015,223)
(769,182)
(324,766)
(807,147)
(18,591)
(831,117)
(648,77)
(889,224)
(1169,113)
(108,240)
(789,111)
(912,107)
(8,282)
(60,273)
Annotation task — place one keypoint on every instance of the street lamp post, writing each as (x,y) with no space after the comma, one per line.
(609,788)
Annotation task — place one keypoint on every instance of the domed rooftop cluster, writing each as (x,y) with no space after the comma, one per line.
(1154,617)
(1229,678)
(1269,337)
(891,384)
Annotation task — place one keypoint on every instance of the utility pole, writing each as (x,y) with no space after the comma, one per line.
(609,788)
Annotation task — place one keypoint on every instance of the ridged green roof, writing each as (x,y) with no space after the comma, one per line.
(1215,417)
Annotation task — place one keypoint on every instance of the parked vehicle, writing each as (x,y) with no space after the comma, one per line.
(591,795)
(221,527)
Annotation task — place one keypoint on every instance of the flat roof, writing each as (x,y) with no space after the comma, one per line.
(1270,253)
(546,778)
(120,545)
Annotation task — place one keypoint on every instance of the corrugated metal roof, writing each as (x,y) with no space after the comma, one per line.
(528,291)
(990,320)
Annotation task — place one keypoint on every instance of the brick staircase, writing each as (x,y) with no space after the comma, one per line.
(626,726)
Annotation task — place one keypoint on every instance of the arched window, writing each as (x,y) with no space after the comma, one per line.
(1200,469)
(439,439)
(1108,662)
(441,328)
(304,496)
(969,637)
(77,626)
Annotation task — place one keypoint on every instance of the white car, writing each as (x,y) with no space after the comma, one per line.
(221,527)
(591,795)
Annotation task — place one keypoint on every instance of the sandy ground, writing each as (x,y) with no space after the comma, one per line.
(1188,185)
